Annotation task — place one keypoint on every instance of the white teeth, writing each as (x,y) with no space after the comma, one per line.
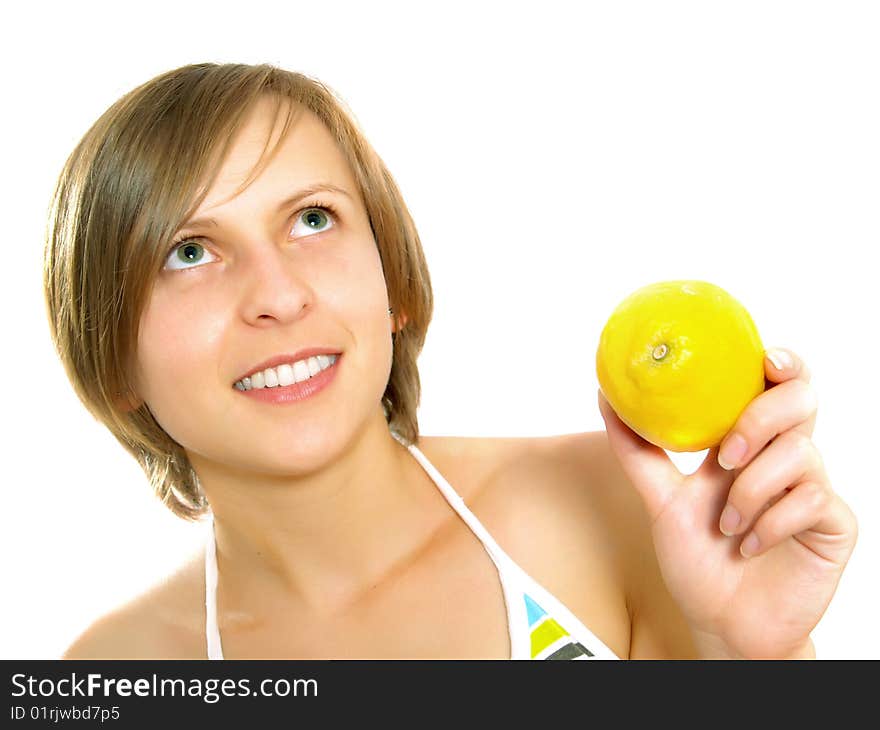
(300,371)
(271,377)
(287,374)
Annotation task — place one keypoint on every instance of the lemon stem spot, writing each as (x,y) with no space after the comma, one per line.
(660,352)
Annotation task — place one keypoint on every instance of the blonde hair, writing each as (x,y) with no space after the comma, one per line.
(119,199)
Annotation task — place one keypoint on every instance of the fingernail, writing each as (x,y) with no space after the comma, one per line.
(750,545)
(780,359)
(732,451)
(729,520)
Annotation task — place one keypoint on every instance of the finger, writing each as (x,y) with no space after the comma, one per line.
(773,412)
(646,465)
(800,510)
(781,365)
(790,459)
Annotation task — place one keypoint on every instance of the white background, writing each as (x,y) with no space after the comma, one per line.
(555,156)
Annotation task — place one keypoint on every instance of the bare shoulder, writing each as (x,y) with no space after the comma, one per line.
(550,503)
(470,462)
(160,623)
(563,509)
(566,479)
(558,490)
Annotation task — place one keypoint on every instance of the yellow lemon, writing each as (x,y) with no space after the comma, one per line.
(679,361)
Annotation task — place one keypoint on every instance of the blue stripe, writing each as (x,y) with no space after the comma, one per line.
(534,611)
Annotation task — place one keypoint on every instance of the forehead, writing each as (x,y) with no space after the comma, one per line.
(308,154)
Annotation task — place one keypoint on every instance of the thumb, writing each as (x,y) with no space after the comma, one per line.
(647,466)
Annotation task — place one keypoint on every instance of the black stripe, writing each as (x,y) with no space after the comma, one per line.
(569,651)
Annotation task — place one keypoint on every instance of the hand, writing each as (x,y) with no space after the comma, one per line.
(797,532)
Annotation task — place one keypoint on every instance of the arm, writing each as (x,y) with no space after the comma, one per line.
(708,647)
(605,503)
(658,628)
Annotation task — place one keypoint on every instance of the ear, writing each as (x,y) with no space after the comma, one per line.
(127,403)
(398,321)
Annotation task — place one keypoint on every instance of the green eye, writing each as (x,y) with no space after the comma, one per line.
(316,218)
(313,217)
(190,253)
(185,252)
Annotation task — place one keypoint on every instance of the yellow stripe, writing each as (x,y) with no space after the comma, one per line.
(545,634)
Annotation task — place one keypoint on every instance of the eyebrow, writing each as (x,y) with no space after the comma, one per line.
(207,222)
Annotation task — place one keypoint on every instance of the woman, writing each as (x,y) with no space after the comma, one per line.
(237,290)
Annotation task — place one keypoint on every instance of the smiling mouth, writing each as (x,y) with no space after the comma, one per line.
(287,374)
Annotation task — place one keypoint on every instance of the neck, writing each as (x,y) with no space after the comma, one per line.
(321,540)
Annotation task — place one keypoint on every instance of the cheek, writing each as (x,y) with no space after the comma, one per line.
(178,349)
(358,287)
(179,357)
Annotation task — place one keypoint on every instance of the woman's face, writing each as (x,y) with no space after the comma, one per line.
(268,280)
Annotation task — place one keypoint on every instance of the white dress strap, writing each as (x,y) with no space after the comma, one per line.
(517,620)
(212,631)
(515,580)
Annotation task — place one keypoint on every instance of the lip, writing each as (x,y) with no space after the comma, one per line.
(276,360)
(283,394)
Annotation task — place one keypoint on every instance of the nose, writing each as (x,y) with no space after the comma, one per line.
(272,286)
